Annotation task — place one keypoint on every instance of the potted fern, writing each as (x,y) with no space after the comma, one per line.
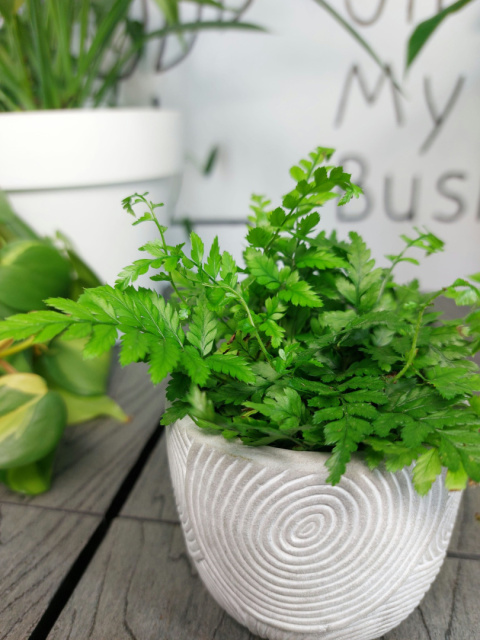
(323,419)
(65,152)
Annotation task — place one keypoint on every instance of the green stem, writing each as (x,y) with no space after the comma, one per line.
(165,248)
(244,305)
(413,350)
(250,319)
(389,271)
(292,211)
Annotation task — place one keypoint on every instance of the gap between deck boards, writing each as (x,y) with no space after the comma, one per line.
(69,583)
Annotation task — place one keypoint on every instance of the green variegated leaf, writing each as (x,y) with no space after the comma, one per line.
(83,408)
(32,419)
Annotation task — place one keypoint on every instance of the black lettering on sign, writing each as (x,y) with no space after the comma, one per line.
(411,212)
(437,117)
(411,5)
(370,96)
(359,176)
(365,22)
(445,190)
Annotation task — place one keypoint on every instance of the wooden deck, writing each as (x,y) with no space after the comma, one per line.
(101,556)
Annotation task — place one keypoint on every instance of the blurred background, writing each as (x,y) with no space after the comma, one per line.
(219,110)
(264,100)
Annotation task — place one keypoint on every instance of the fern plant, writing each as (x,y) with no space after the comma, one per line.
(308,346)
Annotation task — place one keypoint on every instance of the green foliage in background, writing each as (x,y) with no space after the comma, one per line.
(43,387)
(424,31)
(310,346)
(56,54)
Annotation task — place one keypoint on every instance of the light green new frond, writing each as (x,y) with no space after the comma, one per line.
(203,329)
(263,268)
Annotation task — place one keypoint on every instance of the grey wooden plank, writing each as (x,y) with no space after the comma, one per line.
(152,497)
(37,548)
(449,611)
(141,585)
(94,458)
(466,535)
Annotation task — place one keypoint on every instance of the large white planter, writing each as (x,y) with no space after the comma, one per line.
(291,557)
(69,170)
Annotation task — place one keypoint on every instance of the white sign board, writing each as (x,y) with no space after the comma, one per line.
(268,99)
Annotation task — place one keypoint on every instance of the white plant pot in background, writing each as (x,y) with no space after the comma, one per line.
(68,170)
(293,558)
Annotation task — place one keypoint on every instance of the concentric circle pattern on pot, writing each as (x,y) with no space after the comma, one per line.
(290,556)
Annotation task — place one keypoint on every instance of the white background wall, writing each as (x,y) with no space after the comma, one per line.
(268,99)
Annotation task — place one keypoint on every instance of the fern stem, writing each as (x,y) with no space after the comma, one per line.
(252,323)
(160,229)
(292,211)
(413,351)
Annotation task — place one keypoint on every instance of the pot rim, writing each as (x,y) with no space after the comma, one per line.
(311,462)
(71,148)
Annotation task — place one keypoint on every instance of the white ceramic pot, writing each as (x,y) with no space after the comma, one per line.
(68,170)
(291,557)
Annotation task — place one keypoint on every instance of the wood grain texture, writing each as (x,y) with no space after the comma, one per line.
(37,548)
(140,586)
(152,497)
(466,535)
(94,458)
(450,609)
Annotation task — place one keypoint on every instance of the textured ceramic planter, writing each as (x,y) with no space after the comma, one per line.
(69,170)
(291,557)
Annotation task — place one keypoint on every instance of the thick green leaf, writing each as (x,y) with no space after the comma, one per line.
(32,428)
(31,479)
(11,226)
(83,408)
(63,365)
(30,272)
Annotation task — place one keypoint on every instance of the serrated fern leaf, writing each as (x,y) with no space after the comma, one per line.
(203,329)
(134,347)
(164,355)
(345,435)
(274,331)
(196,366)
(299,293)
(102,339)
(427,468)
(231,365)
(130,274)
(21,326)
(264,269)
